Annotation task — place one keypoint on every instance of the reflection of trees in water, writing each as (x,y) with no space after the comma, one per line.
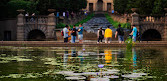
(153,60)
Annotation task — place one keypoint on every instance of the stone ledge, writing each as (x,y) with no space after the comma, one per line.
(90,44)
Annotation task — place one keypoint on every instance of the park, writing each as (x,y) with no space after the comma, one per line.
(33,48)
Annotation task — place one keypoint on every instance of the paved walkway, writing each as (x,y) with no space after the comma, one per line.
(90,44)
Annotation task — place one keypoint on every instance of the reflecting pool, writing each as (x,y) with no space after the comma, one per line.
(82,64)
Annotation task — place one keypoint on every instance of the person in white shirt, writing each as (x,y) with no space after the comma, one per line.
(65,31)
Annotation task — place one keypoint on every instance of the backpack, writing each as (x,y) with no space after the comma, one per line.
(62,33)
(121,31)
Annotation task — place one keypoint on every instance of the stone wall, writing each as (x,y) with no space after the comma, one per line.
(121,18)
(8,25)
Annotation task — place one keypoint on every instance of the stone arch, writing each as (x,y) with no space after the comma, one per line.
(36,35)
(151,35)
(29,28)
(158,27)
(100,5)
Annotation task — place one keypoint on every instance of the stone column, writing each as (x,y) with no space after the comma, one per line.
(135,20)
(20,27)
(87,6)
(51,26)
(165,29)
(104,6)
(94,6)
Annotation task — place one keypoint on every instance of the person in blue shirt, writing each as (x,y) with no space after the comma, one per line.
(134,33)
(80,34)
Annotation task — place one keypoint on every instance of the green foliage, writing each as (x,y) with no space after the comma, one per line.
(3,8)
(145,7)
(9,7)
(60,25)
(14,5)
(158,7)
(116,23)
(61,5)
(129,43)
(86,19)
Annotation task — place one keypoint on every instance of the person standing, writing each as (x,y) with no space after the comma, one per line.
(73,34)
(26,15)
(69,34)
(120,33)
(80,34)
(108,35)
(65,32)
(100,35)
(134,33)
(64,14)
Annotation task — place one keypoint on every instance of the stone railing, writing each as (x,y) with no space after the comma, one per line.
(152,19)
(36,20)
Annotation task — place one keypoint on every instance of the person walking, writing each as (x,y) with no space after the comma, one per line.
(134,33)
(80,34)
(65,32)
(100,35)
(108,35)
(73,34)
(69,34)
(120,33)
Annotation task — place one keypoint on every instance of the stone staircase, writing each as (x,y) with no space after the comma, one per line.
(99,20)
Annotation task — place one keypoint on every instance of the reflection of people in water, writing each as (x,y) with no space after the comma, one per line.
(73,52)
(108,56)
(134,59)
(80,54)
(65,56)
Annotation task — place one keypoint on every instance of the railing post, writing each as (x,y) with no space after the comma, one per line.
(51,26)
(135,20)
(20,27)
(165,28)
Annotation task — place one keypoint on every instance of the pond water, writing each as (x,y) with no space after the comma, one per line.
(82,64)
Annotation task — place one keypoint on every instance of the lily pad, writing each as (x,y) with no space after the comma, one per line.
(99,79)
(111,76)
(76,78)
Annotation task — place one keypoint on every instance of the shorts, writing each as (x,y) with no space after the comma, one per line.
(120,38)
(80,37)
(134,39)
(108,39)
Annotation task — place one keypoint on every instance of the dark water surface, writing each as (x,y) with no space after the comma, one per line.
(82,64)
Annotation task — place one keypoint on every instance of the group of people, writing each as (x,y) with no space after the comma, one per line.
(71,34)
(119,32)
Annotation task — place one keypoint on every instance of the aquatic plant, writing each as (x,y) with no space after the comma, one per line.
(129,43)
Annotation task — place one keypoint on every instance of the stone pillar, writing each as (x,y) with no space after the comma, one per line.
(135,20)
(20,27)
(165,29)
(51,26)
(104,6)
(87,6)
(94,6)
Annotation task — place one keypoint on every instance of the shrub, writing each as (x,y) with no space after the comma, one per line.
(60,25)
(116,23)
(86,19)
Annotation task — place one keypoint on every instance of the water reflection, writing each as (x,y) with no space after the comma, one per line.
(119,63)
(108,56)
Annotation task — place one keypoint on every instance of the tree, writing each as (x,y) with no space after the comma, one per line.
(61,5)
(3,8)
(158,7)
(120,6)
(14,5)
(146,7)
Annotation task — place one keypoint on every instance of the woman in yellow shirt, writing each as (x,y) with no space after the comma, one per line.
(69,34)
(108,35)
